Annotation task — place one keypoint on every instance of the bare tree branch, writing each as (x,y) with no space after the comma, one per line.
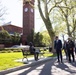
(2,10)
(74,24)
(66,7)
(58,2)
(48,1)
(40,10)
(52,8)
(62,11)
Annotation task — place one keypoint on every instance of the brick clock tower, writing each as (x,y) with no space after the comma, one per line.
(28,19)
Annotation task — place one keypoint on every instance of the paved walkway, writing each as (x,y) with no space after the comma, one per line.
(49,68)
(31,60)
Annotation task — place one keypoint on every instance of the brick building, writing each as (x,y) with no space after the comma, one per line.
(12,29)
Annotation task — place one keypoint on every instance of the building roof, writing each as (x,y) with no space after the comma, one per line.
(12,29)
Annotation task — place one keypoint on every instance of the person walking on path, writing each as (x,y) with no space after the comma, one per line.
(65,48)
(57,47)
(70,48)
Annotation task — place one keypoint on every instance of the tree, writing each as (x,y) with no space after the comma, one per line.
(2,11)
(67,9)
(4,37)
(38,39)
(16,38)
(46,38)
(35,38)
(48,6)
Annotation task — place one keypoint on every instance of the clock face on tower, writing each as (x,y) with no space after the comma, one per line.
(32,10)
(26,9)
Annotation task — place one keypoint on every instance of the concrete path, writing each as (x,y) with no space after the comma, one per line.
(51,67)
(44,66)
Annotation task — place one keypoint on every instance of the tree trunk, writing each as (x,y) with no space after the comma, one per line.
(51,33)
(47,22)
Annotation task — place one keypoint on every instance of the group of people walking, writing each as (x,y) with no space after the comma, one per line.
(69,48)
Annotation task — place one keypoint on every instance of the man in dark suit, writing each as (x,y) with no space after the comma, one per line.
(70,48)
(57,47)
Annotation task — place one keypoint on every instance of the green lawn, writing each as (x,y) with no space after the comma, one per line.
(7,60)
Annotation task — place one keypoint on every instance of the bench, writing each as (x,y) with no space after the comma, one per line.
(26,53)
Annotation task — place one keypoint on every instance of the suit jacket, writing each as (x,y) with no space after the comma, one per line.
(70,45)
(57,45)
